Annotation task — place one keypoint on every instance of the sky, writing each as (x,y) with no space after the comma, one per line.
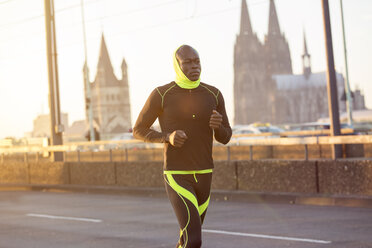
(145,33)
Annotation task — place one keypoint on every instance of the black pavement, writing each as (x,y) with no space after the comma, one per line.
(77,219)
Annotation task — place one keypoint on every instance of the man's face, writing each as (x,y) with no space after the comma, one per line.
(188,59)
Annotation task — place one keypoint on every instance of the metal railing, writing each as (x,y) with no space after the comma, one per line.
(237,140)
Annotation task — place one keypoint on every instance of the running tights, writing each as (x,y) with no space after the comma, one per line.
(189,195)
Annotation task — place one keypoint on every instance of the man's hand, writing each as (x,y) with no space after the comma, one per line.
(177,138)
(216,120)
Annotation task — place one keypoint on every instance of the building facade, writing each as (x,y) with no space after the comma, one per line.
(41,127)
(265,88)
(110,97)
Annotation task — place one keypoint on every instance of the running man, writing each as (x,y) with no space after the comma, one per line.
(189,113)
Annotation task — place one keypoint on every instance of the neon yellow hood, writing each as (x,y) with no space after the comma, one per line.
(181,79)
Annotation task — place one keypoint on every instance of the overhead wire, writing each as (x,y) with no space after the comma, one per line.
(21,21)
(6,1)
(178,20)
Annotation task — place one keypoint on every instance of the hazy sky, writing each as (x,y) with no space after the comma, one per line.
(145,33)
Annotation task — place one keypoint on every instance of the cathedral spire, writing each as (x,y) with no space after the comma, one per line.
(104,58)
(306,59)
(245,22)
(305,45)
(274,28)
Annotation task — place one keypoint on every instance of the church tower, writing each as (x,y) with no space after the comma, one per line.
(248,77)
(110,97)
(278,58)
(306,60)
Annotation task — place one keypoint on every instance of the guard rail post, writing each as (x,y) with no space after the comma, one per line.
(78,155)
(251,152)
(25,157)
(228,153)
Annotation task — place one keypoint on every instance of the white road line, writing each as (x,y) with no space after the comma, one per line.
(63,218)
(267,236)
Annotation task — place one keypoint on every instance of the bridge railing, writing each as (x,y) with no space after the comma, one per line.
(246,140)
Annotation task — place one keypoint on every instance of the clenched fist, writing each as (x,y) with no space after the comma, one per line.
(177,138)
(216,120)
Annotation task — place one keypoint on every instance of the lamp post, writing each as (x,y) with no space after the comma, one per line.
(56,126)
(88,100)
(349,101)
(331,82)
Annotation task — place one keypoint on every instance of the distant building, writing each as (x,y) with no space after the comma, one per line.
(110,97)
(42,125)
(76,132)
(301,98)
(265,88)
(358,100)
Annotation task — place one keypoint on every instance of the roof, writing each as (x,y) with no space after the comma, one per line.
(292,82)
(77,128)
(104,68)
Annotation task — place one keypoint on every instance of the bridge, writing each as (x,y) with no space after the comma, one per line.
(270,191)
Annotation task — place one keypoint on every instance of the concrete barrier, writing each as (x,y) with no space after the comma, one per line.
(277,176)
(224,175)
(346,177)
(14,172)
(140,174)
(368,150)
(92,173)
(49,173)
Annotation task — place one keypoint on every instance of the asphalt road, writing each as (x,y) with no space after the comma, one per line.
(64,219)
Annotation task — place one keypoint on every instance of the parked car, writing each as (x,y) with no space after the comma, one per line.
(317,126)
(255,131)
(267,128)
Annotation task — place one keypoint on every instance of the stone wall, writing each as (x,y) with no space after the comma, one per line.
(350,177)
(345,177)
(277,176)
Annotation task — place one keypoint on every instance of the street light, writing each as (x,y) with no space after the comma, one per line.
(88,100)
(56,126)
(349,102)
(331,82)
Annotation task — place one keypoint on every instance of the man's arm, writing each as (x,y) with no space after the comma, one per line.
(150,111)
(222,133)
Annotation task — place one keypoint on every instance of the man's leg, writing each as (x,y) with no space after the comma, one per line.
(185,205)
(203,191)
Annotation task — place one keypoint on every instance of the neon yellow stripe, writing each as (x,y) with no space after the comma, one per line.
(204,206)
(182,191)
(188,221)
(187,172)
(170,181)
(215,95)
(162,96)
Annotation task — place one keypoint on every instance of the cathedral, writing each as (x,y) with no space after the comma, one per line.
(265,88)
(110,97)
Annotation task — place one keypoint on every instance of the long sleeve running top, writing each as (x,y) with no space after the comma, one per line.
(188,110)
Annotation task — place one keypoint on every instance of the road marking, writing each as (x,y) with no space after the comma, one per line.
(267,236)
(64,218)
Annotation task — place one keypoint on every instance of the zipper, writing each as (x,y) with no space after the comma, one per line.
(193,115)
